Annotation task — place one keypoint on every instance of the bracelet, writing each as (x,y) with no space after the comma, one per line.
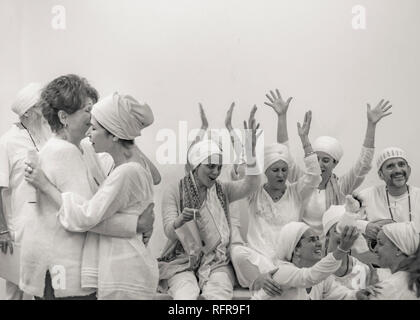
(309,154)
(343,251)
(4,232)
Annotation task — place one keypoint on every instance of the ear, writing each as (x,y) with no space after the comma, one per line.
(408,171)
(381,175)
(398,252)
(62,116)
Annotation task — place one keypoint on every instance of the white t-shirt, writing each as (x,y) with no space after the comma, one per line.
(14,145)
(375,205)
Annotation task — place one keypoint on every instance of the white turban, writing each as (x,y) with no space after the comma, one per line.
(27,98)
(122,115)
(328,145)
(332,216)
(390,153)
(288,238)
(403,235)
(201,151)
(275,152)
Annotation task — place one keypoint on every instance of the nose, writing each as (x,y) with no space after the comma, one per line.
(88,133)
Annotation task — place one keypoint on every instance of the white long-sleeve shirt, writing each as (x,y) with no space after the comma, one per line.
(295,280)
(267,218)
(315,207)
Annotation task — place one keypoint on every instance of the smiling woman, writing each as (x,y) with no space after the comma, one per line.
(201,199)
(302,267)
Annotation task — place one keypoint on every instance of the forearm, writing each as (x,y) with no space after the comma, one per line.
(282,135)
(240,189)
(52,192)
(119,225)
(3,222)
(306,145)
(236,142)
(370,135)
(292,276)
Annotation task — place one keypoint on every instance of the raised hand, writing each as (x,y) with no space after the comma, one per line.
(379,112)
(277,103)
(303,130)
(252,139)
(228,119)
(204,122)
(348,237)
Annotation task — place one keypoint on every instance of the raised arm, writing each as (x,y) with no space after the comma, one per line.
(356,175)
(240,189)
(280,106)
(291,276)
(311,179)
(236,142)
(201,133)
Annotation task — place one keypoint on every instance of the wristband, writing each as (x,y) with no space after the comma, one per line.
(4,232)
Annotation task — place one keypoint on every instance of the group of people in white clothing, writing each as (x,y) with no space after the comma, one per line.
(77,198)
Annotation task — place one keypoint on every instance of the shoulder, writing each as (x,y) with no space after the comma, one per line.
(59,147)
(370,192)
(10,136)
(130,171)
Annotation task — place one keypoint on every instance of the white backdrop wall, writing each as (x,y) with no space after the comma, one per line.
(176,53)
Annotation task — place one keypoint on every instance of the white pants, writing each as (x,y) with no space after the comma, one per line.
(184,286)
(249,264)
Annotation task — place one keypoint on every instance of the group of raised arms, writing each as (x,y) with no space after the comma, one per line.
(77,205)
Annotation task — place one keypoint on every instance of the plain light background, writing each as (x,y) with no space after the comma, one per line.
(176,53)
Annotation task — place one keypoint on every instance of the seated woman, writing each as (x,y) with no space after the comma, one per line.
(200,196)
(302,272)
(272,206)
(332,189)
(397,249)
(119,268)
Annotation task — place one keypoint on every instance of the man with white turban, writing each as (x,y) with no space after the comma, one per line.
(302,272)
(30,133)
(273,205)
(395,200)
(398,250)
(332,190)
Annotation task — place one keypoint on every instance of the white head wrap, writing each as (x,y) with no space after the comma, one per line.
(328,145)
(403,235)
(275,152)
(27,98)
(288,238)
(332,216)
(390,153)
(122,115)
(201,151)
